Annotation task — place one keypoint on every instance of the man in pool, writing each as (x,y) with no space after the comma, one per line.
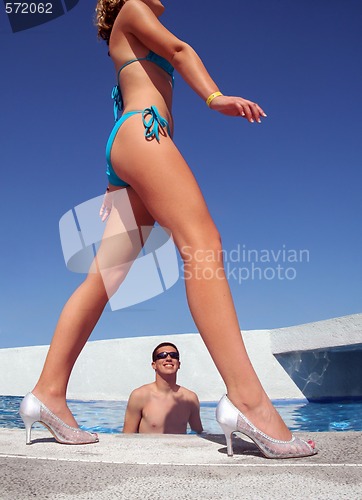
(163,407)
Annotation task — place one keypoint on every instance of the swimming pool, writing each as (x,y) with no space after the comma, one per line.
(107,416)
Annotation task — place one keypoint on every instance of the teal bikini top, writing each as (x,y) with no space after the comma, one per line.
(152,57)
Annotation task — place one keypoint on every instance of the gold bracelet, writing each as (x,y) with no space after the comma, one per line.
(212,97)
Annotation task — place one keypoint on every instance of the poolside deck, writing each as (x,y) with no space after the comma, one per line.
(133,467)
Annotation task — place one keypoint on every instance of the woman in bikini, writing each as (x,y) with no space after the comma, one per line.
(145,167)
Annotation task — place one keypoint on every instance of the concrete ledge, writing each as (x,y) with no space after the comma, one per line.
(323,359)
(169,449)
(173,466)
(172,449)
(336,332)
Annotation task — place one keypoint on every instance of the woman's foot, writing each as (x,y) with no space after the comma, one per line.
(231,420)
(57,405)
(33,410)
(264,416)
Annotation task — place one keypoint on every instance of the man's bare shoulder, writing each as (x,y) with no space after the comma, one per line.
(142,392)
(189,395)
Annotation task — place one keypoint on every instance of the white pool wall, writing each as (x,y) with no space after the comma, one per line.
(111,369)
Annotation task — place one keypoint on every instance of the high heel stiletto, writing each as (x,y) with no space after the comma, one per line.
(232,420)
(32,410)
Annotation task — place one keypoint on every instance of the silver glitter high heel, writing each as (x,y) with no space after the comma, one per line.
(232,420)
(32,410)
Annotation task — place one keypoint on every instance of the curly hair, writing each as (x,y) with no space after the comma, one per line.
(106,13)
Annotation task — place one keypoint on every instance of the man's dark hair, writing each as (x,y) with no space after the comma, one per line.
(163,344)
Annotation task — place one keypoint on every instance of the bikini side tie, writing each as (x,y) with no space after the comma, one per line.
(117,101)
(153,123)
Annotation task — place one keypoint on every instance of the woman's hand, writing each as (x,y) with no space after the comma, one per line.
(106,206)
(237,106)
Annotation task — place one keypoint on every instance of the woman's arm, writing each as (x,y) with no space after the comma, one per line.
(137,19)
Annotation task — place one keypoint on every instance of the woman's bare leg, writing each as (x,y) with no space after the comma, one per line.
(84,308)
(164,182)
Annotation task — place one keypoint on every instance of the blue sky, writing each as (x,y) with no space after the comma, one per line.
(290,184)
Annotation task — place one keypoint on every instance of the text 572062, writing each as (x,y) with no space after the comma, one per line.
(28,8)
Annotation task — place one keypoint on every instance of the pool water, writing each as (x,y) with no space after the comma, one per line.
(108,416)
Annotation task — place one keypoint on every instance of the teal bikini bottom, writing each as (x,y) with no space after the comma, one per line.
(152,121)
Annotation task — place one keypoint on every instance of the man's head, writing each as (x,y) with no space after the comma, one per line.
(162,348)
(166,357)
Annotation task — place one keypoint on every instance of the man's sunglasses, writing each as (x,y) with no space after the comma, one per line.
(163,355)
